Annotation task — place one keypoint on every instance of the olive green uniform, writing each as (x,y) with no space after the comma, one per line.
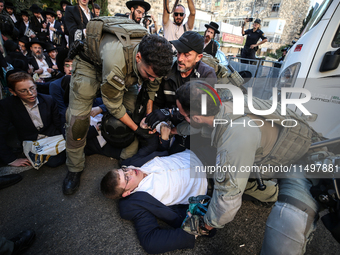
(119,92)
(293,216)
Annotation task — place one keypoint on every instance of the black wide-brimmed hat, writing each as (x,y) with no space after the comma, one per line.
(142,3)
(50,11)
(258,21)
(11,46)
(213,26)
(64,2)
(49,47)
(24,13)
(35,8)
(24,39)
(189,41)
(36,41)
(9,5)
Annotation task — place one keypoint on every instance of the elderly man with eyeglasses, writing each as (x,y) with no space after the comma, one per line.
(174,30)
(159,188)
(33,116)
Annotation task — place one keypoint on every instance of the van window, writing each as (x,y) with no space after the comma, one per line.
(317,16)
(336,40)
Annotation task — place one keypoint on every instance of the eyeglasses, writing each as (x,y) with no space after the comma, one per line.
(179,13)
(140,13)
(26,91)
(126,177)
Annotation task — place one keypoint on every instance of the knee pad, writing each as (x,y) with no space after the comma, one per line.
(77,131)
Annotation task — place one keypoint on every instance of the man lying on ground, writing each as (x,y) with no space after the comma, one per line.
(161,188)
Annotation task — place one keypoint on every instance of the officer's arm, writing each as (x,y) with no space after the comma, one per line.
(165,13)
(243,25)
(261,42)
(191,18)
(129,122)
(149,107)
(236,150)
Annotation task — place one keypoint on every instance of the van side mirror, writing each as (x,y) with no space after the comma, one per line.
(330,61)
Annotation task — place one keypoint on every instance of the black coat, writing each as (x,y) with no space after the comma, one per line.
(13,111)
(22,27)
(166,94)
(37,26)
(33,62)
(73,21)
(211,48)
(57,26)
(143,209)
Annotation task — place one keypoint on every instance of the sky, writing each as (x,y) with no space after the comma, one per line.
(316,1)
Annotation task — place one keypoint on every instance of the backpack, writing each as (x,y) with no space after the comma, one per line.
(128,32)
(224,76)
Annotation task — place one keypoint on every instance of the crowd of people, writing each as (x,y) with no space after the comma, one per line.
(62,74)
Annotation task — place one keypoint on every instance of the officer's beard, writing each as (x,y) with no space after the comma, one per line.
(184,70)
(38,56)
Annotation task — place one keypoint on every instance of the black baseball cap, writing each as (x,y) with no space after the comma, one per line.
(189,41)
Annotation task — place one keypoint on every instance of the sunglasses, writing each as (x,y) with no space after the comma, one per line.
(179,13)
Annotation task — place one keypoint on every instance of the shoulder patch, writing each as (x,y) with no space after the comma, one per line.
(116,78)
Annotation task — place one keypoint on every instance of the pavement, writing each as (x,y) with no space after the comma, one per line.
(88,223)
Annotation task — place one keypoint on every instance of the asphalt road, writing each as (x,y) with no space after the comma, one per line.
(88,223)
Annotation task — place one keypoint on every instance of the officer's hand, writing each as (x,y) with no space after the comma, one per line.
(143,132)
(157,116)
(95,111)
(207,226)
(252,46)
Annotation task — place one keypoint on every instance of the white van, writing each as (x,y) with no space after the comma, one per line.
(313,63)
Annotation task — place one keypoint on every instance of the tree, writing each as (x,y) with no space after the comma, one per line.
(103,5)
(306,20)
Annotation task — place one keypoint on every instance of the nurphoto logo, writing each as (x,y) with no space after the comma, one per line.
(238,104)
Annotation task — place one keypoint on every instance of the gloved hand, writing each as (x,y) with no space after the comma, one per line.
(143,132)
(157,116)
(194,225)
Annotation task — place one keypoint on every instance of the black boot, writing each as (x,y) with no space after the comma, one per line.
(22,241)
(9,180)
(71,182)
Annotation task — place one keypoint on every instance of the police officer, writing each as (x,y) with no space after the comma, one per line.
(253,36)
(118,78)
(239,146)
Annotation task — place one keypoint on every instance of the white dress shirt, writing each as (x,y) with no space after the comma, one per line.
(173,179)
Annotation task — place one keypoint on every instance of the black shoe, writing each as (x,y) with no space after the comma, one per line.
(71,182)
(257,202)
(9,180)
(22,241)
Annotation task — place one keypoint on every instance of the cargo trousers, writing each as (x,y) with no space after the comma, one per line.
(84,85)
